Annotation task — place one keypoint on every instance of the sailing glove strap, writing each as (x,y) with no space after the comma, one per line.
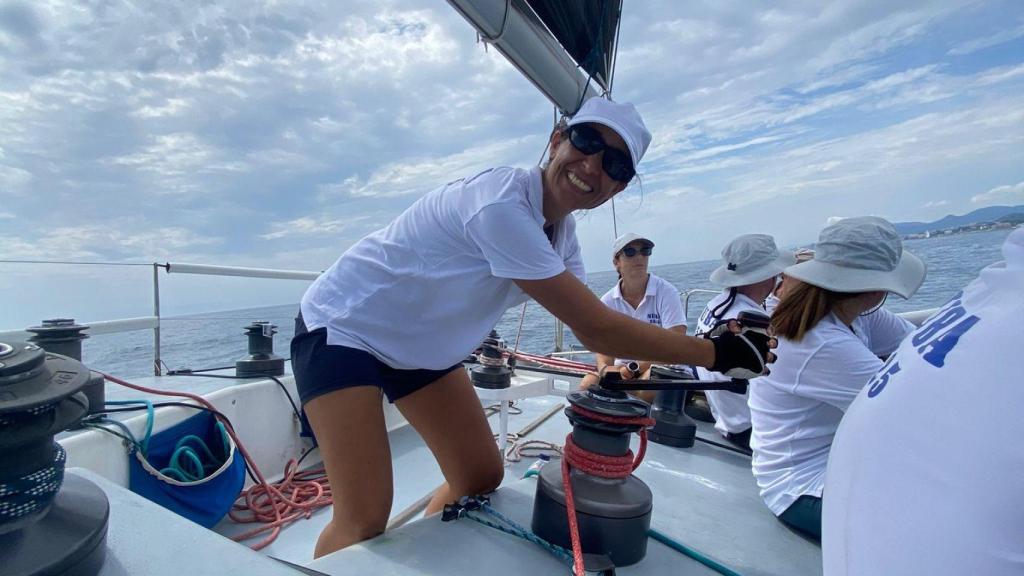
(741,355)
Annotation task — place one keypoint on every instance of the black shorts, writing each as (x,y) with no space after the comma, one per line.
(320,368)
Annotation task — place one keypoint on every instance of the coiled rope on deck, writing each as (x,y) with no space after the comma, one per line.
(273,504)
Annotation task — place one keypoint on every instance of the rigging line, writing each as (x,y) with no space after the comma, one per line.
(501,31)
(615,50)
(615,219)
(75,263)
(522,316)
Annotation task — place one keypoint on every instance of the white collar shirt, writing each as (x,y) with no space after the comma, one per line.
(661,305)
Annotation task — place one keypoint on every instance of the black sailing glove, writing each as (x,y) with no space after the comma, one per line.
(741,355)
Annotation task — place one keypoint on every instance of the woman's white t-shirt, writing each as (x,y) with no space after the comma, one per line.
(425,291)
(926,474)
(661,305)
(729,408)
(796,409)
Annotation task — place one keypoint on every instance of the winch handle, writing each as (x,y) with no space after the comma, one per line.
(614,381)
(754,321)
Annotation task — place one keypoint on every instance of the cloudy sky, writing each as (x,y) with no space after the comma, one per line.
(276,134)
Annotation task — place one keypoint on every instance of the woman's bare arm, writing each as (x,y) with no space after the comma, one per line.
(605,331)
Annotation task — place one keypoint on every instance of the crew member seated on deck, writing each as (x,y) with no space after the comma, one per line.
(640,295)
(400,310)
(751,263)
(916,485)
(832,330)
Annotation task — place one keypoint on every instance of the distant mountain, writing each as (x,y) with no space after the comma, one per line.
(987,214)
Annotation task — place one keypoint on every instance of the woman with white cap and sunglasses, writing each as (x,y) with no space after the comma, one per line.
(751,263)
(832,332)
(640,295)
(401,309)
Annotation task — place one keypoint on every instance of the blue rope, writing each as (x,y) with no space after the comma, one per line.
(690,552)
(32,492)
(517,530)
(144,445)
(186,463)
(190,461)
(467,508)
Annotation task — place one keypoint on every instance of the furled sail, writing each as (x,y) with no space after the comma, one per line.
(566,48)
(587,30)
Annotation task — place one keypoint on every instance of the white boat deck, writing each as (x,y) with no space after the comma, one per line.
(704,497)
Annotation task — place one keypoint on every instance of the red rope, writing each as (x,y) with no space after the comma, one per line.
(310,489)
(268,502)
(597,465)
(555,362)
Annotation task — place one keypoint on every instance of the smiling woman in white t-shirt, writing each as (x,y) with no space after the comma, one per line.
(401,309)
(831,330)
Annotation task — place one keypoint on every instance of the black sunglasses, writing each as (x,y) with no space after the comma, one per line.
(629,251)
(616,163)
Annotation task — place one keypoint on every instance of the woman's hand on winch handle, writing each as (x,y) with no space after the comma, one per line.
(742,351)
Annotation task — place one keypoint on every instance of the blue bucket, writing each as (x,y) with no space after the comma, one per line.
(203,501)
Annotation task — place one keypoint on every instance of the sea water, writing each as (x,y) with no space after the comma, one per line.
(218,338)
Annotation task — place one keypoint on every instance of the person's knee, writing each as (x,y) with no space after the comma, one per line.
(342,532)
(486,477)
(362,525)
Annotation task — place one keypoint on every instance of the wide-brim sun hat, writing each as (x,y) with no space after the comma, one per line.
(862,254)
(749,259)
(627,239)
(622,117)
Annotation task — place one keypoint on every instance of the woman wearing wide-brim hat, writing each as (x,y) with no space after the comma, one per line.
(750,265)
(832,332)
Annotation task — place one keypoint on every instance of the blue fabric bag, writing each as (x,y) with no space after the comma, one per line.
(203,501)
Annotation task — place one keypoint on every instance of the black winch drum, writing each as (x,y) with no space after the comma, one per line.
(40,395)
(613,515)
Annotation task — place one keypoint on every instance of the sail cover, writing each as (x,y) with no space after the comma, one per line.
(587,29)
(565,47)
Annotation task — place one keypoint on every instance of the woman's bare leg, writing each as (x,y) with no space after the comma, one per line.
(448,416)
(350,429)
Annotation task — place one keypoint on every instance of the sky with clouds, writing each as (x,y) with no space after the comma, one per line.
(276,134)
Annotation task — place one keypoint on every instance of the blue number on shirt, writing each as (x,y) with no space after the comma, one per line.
(934,352)
(878,383)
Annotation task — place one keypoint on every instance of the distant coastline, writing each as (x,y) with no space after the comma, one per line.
(987,218)
(1006,223)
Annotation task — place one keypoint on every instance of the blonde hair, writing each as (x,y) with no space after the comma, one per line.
(802,307)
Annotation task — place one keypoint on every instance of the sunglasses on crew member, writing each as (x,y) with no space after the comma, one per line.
(629,251)
(616,163)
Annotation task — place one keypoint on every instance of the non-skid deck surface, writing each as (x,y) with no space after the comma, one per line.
(144,538)
(704,497)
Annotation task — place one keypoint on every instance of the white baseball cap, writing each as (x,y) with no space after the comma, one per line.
(627,239)
(861,255)
(749,259)
(619,116)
